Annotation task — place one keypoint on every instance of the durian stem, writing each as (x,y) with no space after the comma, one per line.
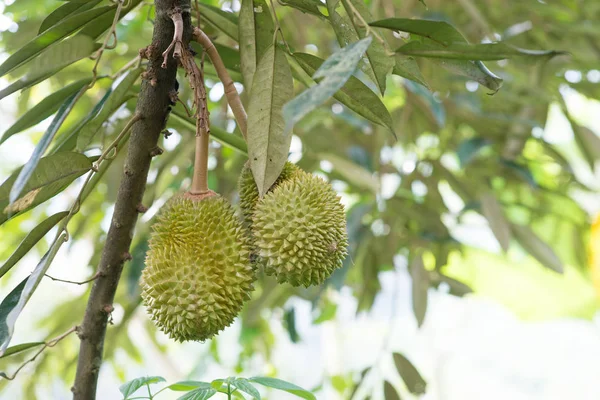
(200,178)
(231,93)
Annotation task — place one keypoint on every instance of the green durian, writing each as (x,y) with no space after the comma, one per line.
(300,231)
(249,192)
(198,273)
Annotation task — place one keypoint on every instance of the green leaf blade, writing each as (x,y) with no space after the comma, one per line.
(114,101)
(245,386)
(41,147)
(492,211)
(537,248)
(285,386)
(420,287)
(34,236)
(64,11)
(51,176)
(199,394)
(19,348)
(268,140)
(52,35)
(354,94)
(129,388)
(44,109)
(409,374)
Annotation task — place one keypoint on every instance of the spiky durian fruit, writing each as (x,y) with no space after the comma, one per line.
(198,272)
(300,231)
(249,192)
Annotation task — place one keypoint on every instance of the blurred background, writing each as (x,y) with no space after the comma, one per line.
(433,279)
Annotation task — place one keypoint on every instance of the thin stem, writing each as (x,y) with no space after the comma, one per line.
(200,178)
(136,117)
(50,343)
(228,391)
(149,392)
(233,97)
(111,33)
(368,29)
(93,278)
(278,28)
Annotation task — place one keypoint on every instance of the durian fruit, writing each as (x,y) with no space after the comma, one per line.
(198,272)
(249,192)
(300,231)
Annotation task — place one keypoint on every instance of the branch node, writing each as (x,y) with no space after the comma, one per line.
(126,256)
(167,133)
(156,151)
(140,208)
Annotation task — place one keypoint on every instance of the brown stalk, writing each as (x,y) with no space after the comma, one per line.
(231,93)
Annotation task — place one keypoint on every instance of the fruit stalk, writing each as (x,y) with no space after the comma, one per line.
(153,106)
(233,97)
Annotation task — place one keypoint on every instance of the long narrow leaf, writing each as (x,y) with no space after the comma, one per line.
(40,148)
(52,35)
(44,108)
(65,11)
(8,316)
(268,140)
(31,239)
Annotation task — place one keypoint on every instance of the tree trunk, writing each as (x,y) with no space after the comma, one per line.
(153,106)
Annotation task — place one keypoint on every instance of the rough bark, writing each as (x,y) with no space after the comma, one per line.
(153,106)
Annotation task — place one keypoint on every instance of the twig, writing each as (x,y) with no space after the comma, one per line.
(368,29)
(136,117)
(111,33)
(278,28)
(125,67)
(233,97)
(50,343)
(175,15)
(93,278)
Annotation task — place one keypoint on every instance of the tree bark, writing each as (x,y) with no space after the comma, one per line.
(153,106)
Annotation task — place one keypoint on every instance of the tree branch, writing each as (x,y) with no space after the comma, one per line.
(153,106)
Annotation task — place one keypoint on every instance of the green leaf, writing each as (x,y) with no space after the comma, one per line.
(343,28)
(289,318)
(537,248)
(285,386)
(129,388)
(457,288)
(6,307)
(380,62)
(410,375)
(100,25)
(306,6)
(44,108)
(224,21)
(34,236)
(245,386)
(354,94)
(52,175)
(64,11)
(587,141)
(12,310)
(464,51)
(29,168)
(49,63)
(445,34)
(52,35)
(268,140)
(327,313)
(20,348)
(492,211)
(474,70)
(468,149)
(438,31)
(420,286)
(228,139)
(184,386)
(256,36)
(408,68)
(390,392)
(114,101)
(67,141)
(335,71)
(354,173)
(199,394)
